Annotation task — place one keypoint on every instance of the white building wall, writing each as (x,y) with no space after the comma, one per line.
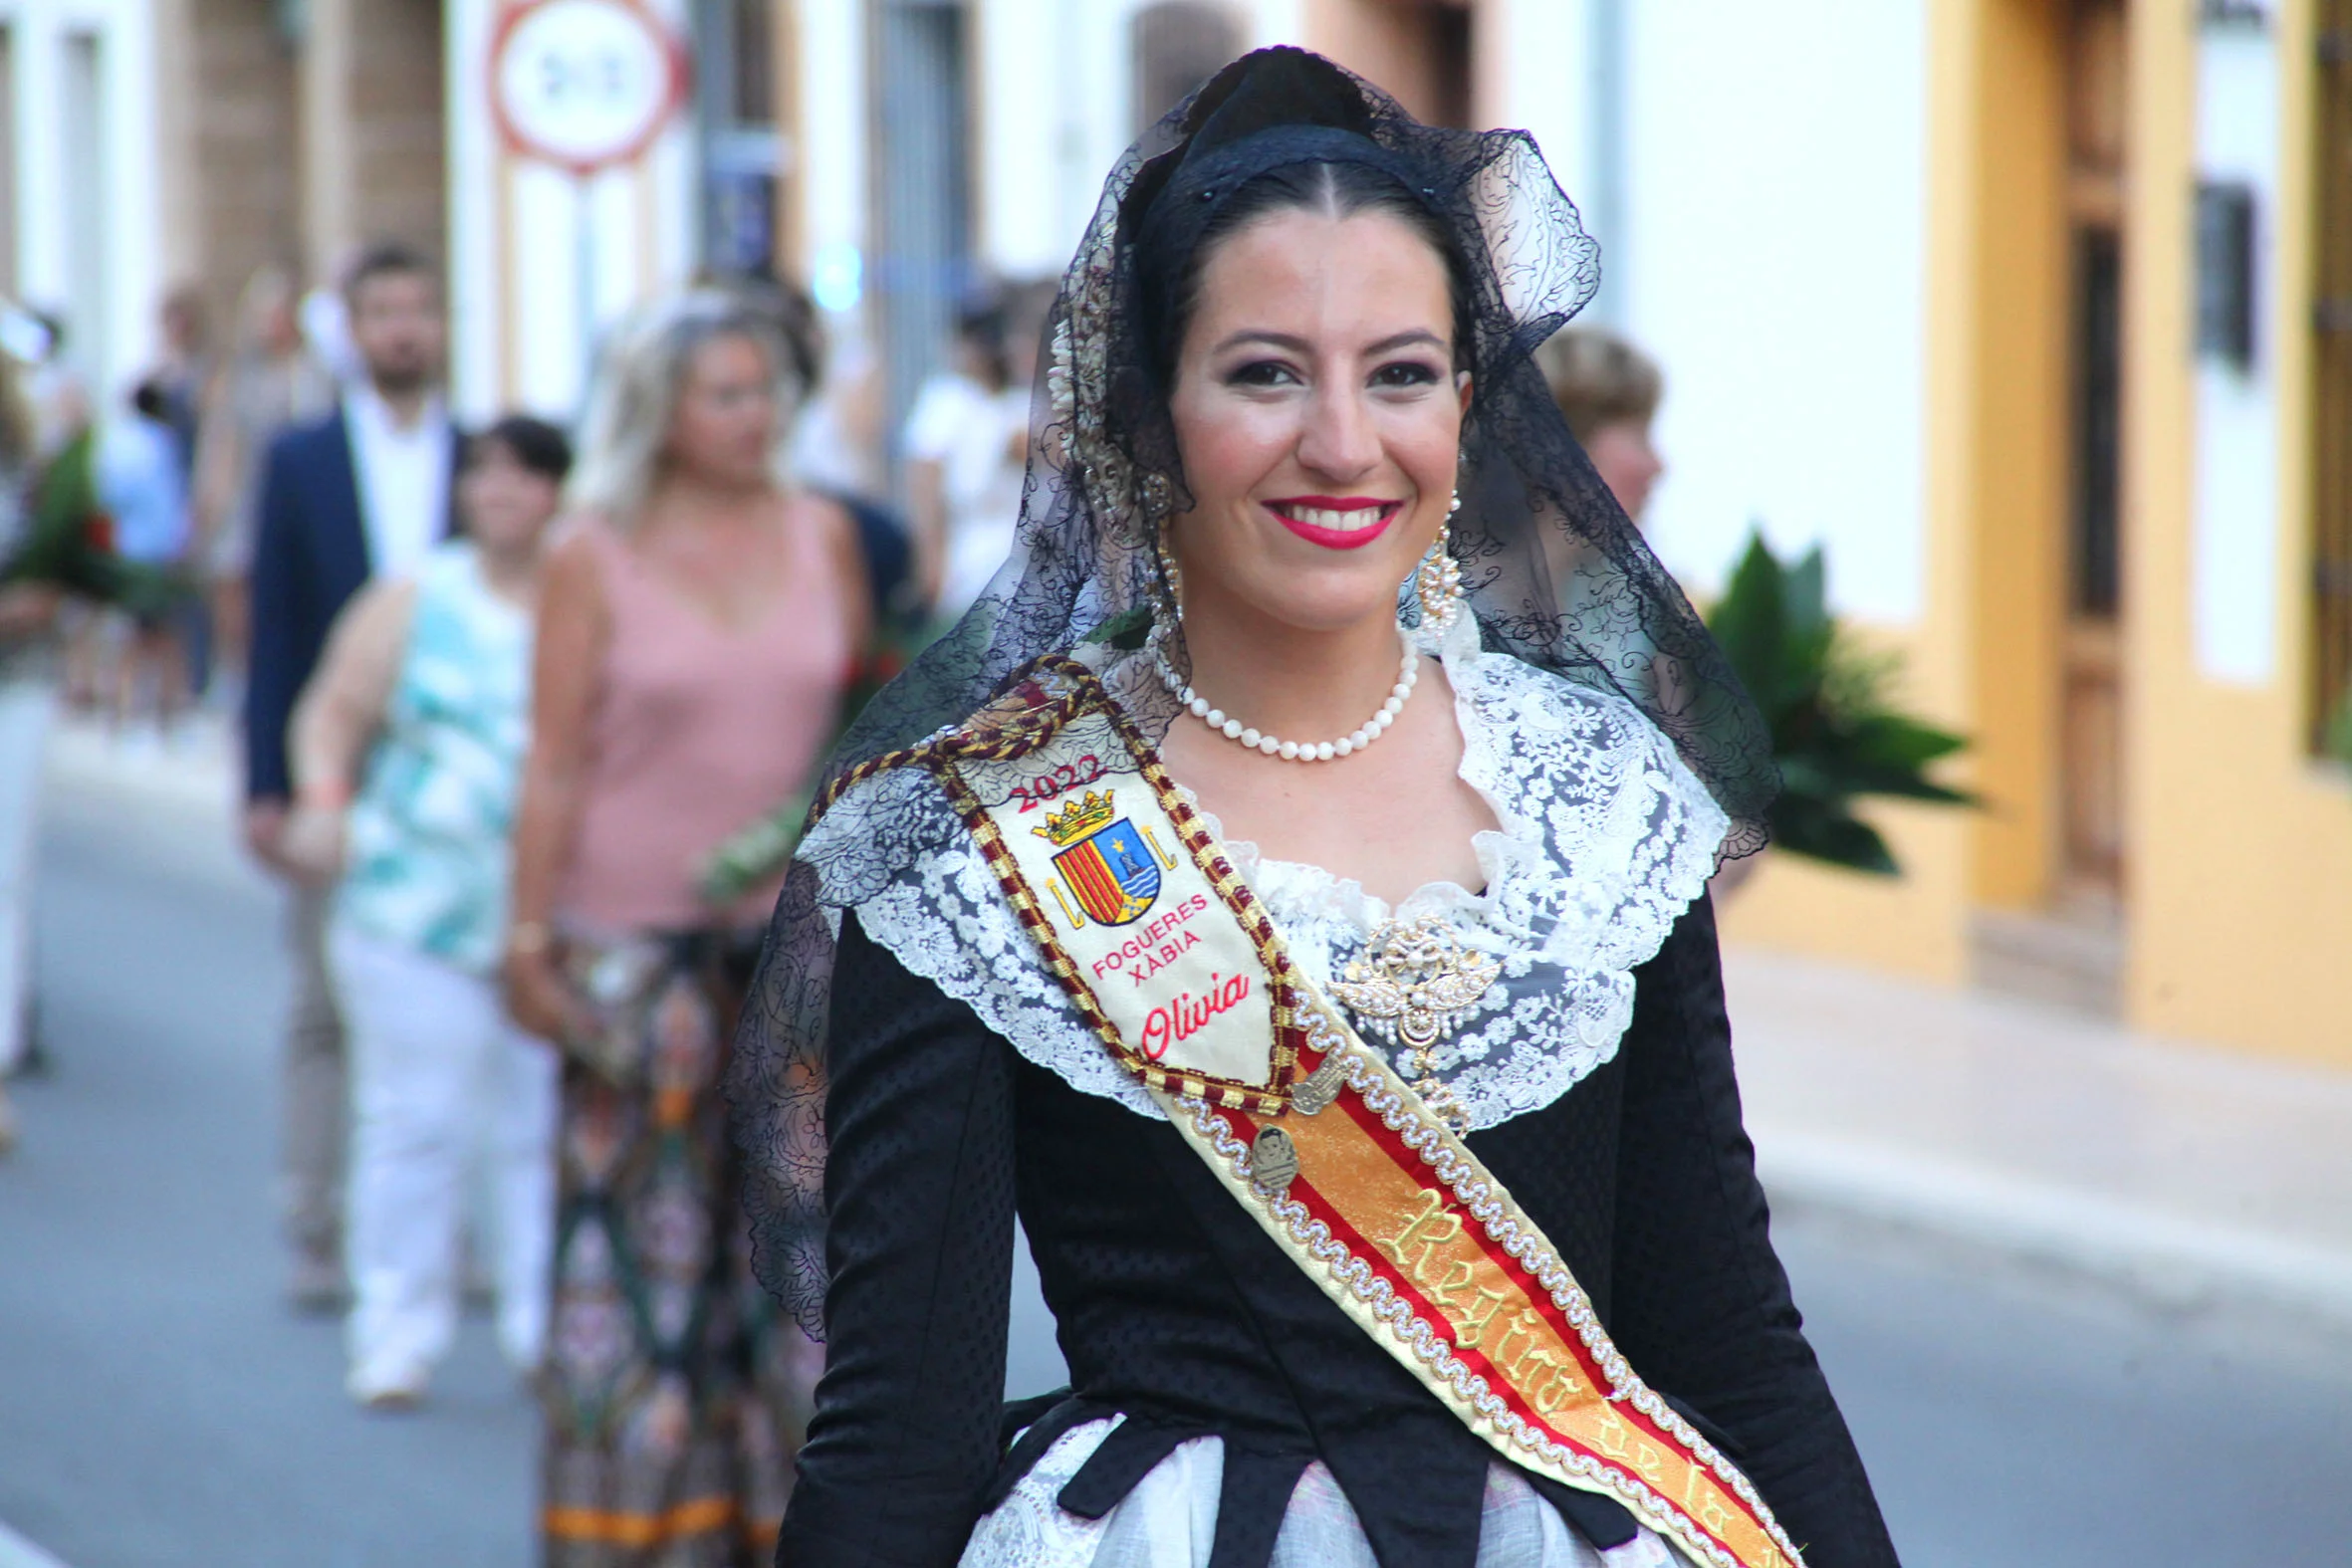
(1053,106)
(1028,132)
(88,218)
(1544,87)
(830,159)
(2235,560)
(1775,209)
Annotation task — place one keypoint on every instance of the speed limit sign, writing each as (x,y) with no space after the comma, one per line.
(584,84)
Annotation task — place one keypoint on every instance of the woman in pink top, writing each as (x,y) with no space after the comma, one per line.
(696,628)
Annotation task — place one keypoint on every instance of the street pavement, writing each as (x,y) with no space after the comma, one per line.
(160,1408)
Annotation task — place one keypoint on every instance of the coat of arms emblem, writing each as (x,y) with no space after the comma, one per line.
(1109,865)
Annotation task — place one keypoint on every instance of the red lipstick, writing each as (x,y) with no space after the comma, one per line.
(1336,522)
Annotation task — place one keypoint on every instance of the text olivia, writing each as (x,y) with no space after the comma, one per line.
(1187,1014)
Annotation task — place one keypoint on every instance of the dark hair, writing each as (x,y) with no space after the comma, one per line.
(985,327)
(534,443)
(386,259)
(1336,188)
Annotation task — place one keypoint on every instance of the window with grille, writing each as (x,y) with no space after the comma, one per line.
(2331,399)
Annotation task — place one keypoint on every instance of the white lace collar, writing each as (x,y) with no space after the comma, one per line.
(1605,838)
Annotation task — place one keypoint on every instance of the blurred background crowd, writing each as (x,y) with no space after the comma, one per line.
(496,442)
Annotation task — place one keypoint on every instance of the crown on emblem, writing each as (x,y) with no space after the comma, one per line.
(1077,820)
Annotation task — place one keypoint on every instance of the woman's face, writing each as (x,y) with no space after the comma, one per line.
(1627,463)
(1319,416)
(724,430)
(506,505)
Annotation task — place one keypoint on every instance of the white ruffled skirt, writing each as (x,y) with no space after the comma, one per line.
(1170,1518)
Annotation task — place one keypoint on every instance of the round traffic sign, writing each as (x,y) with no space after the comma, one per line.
(584,84)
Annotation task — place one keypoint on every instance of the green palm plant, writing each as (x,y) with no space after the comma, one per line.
(1836,731)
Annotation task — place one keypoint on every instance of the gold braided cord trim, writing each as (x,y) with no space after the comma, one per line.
(1088,695)
(1358,1283)
(1032,728)
(1562,1419)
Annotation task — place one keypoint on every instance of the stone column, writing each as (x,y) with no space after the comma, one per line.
(371,126)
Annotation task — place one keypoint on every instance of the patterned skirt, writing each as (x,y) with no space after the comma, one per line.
(675,1394)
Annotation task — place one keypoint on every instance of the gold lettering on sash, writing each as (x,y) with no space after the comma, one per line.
(1563,1385)
(1700,1502)
(1445,1258)
(1524,1327)
(1469,1317)
(1531,1352)
(1651,1463)
(1432,1227)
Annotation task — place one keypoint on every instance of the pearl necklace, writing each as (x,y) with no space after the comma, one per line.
(1293,751)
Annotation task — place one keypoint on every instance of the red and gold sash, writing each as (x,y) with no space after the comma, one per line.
(1173,962)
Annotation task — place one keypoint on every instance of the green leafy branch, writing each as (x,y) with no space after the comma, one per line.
(1837,733)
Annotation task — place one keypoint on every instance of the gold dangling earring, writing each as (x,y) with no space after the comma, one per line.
(1167,625)
(1438,581)
(1171,576)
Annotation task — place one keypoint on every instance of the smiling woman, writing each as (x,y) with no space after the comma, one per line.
(1319,412)
(1362,1083)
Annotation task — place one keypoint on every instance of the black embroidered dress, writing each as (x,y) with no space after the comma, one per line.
(909,1076)
(1597,1073)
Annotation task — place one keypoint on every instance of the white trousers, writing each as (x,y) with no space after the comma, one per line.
(25,708)
(24,725)
(439,1078)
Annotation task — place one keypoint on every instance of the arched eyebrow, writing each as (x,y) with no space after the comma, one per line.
(1292,344)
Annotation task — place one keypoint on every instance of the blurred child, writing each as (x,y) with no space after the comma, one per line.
(141,485)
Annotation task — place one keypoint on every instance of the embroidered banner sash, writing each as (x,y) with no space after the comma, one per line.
(1172,961)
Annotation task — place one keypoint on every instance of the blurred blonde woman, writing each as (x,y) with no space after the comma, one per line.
(696,628)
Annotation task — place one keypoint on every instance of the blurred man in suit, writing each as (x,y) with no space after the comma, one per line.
(365,492)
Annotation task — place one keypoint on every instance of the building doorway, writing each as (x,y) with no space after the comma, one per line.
(2091,774)
(2049,521)
(2331,386)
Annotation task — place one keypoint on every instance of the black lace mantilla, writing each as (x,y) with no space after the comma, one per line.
(1104,471)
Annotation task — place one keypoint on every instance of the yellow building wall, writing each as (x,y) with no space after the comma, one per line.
(1915,923)
(2238,901)
(2241,898)
(1918,925)
(2009,356)
(2238,896)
